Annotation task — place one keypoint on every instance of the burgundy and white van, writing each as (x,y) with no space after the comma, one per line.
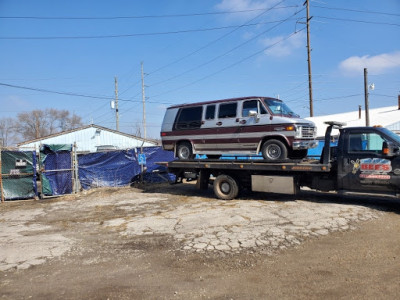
(239,126)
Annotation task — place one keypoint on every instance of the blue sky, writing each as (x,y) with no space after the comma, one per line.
(54,51)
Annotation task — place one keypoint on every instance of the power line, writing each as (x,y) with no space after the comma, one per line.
(70,93)
(122,35)
(225,53)
(247,23)
(231,65)
(133,34)
(388,96)
(358,21)
(142,17)
(218,39)
(339,97)
(358,10)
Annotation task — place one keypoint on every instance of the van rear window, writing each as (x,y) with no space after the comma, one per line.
(189,118)
(227,110)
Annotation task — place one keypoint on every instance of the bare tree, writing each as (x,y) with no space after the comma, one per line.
(40,123)
(7,132)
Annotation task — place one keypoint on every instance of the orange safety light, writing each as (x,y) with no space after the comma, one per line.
(385,151)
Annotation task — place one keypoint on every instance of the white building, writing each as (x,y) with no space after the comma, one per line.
(90,138)
(388,117)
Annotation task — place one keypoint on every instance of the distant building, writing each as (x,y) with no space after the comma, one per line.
(388,117)
(91,138)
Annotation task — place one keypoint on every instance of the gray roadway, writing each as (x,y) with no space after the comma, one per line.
(32,235)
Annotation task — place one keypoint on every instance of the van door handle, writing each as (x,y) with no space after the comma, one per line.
(219,123)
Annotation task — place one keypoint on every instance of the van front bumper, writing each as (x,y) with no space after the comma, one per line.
(299,145)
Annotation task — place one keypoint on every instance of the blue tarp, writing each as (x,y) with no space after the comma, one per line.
(154,172)
(108,169)
(57,165)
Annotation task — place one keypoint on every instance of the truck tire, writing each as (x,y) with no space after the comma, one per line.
(225,187)
(274,150)
(184,151)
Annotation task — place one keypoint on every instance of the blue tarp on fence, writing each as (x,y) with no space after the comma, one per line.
(121,168)
(57,171)
(107,169)
(154,172)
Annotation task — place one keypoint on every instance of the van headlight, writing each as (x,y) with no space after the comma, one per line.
(298,132)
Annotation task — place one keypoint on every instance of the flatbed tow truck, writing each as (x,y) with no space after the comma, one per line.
(366,160)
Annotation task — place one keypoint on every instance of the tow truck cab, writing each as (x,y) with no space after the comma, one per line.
(366,160)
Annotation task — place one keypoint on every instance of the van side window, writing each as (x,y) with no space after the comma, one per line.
(252,105)
(210,112)
(189,118)
(227,110)
(248,106)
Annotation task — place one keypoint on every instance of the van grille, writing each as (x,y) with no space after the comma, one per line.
(307,132)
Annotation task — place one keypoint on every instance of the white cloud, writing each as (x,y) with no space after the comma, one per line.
(238,5)
(281,47)
(377,64)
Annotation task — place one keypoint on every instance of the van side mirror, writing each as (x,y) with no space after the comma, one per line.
(253,113)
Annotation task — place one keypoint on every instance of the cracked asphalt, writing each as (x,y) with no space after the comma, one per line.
(164,219)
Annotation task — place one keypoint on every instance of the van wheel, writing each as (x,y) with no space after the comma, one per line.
(225,187)
(274,150)
(184,151)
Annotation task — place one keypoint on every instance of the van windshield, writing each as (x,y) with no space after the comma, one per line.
(279,108)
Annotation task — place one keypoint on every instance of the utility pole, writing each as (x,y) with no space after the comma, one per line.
(144,104)
(116,103)
(309,59)
(366,97)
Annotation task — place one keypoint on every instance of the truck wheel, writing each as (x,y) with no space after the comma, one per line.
(225,187)
(184,151)
(274,150)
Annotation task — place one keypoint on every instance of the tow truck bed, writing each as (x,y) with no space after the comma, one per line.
(249,165)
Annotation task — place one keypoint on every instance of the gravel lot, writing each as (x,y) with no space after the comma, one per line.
(177,242)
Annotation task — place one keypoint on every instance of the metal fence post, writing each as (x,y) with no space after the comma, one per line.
(1,180)
(75,169)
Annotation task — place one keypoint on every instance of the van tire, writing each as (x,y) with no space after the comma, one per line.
(184,151)
(225,187)
(274,150)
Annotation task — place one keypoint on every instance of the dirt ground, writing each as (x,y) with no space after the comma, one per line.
(174,242)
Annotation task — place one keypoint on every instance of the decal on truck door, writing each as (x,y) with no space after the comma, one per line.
(372,168)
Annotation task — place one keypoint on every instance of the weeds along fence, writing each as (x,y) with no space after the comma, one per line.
(58,170)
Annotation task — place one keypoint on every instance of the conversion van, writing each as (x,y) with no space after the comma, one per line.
(239,126)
